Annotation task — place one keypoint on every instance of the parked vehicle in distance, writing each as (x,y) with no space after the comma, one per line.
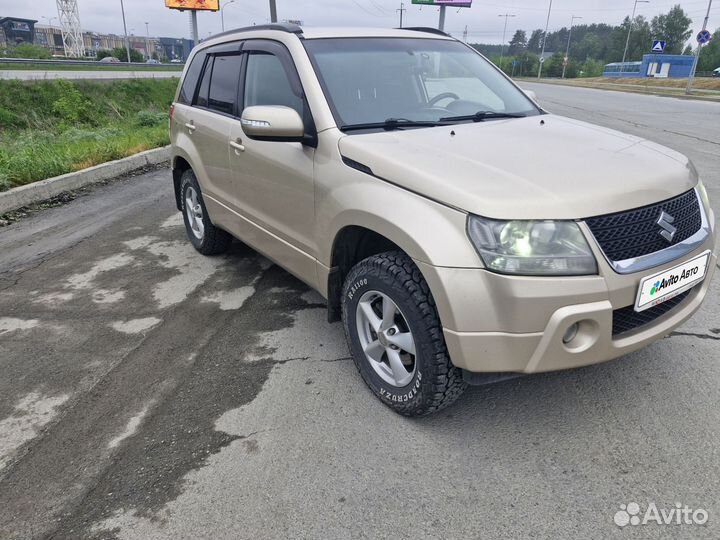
(152,61)
(109,60)
(716,72)
(459,231)
(176,61)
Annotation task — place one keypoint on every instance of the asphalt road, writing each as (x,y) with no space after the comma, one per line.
(148,392)
(32,75)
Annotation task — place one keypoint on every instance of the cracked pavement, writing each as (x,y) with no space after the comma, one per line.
(149,392)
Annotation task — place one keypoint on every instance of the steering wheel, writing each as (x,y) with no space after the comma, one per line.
(440,97)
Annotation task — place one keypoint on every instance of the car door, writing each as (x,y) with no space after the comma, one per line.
(273,181)
(207,123)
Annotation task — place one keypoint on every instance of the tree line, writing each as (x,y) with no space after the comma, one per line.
(594,45)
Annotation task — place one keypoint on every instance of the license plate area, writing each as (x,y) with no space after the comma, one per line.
(667,284)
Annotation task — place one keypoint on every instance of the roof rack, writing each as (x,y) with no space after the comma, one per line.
(280,27)
(426,29)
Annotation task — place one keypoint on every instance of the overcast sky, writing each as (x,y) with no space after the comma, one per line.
(482,19)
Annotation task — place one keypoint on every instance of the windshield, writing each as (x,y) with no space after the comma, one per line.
(373,80)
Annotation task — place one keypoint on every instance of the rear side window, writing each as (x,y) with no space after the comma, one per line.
(202,95)
(187,90)
(224,83)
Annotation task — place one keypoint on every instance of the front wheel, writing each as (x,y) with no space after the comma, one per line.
(395,336)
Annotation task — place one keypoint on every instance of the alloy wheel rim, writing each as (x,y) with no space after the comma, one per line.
(194,212)
(386,339)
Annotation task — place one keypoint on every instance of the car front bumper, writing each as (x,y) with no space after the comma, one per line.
(499,323)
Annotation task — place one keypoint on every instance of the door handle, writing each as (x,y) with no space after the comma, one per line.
(237,146)
(192,127)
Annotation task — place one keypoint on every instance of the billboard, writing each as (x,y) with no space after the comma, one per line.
(197,5)
(451,3)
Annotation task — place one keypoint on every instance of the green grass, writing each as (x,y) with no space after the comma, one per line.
(85,67)
(48,128)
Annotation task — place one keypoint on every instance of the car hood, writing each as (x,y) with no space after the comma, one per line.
(540,167)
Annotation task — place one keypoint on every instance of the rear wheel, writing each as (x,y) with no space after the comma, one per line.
(395,336)
(207,239)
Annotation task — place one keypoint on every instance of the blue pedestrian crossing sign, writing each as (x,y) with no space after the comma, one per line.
(704,37)
(659,46)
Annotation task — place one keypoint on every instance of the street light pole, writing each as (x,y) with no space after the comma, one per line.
(273,11)
(691,78)
(627,41)
(542,53)
(502,47)
(222,12)
(127,40)
(401,10)
(567,51)
(147,40)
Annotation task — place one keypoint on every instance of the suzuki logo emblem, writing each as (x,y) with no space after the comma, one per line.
(665,221)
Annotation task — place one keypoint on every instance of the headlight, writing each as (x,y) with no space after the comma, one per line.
(532,248)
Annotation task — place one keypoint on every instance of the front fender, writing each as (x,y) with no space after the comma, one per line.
(427,231)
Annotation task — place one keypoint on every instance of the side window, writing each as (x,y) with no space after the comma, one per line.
(187,90)
(202,96)
(267,83)
(224,83)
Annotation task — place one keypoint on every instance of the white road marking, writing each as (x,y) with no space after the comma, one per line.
(103,296)
(230,300)
(176,220)
(10,324)
(85,280)
(136,326)
(31,413)
(131,427)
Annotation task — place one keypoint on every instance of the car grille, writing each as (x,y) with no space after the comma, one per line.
(626,235)
(627,319)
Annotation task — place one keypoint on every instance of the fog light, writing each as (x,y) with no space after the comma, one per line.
(571,333)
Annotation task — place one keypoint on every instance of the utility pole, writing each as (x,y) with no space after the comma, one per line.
(441,23)
(465,34)
(542,53)
(273,11)
(222,13)
(127,40)
(567,51)
(147,40)
(502,47)
(627,41)
(691,78)
(401,10)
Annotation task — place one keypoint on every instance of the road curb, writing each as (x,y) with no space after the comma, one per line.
(52,187)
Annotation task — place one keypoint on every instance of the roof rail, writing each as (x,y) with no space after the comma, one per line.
(280,27)
(426,29)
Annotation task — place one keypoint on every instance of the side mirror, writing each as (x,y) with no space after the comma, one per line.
(531,94)
(272,123)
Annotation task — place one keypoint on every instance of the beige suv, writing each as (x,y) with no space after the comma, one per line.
(460,232)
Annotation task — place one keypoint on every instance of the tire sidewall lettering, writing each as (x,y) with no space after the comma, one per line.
(404,397)
(355,287)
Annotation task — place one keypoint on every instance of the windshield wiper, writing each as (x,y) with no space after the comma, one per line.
(482,115)
(392,124)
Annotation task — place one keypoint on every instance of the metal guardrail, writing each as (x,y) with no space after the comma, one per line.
(94,63)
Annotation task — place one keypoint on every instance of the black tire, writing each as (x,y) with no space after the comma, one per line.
(436,383)
(214,241)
